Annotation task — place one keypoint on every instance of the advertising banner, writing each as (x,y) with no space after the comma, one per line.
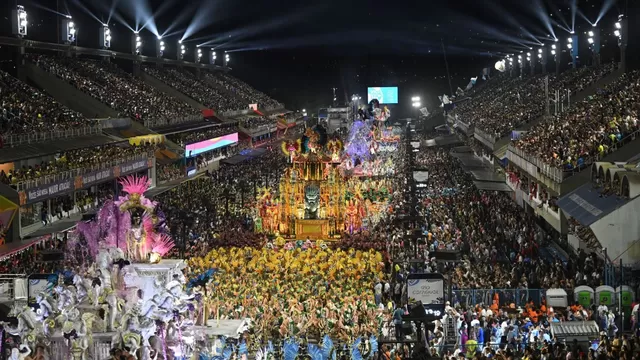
(427,288)
(211,144)
(44,192)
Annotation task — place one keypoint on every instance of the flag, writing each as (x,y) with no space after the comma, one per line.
(459,92)
(424,111)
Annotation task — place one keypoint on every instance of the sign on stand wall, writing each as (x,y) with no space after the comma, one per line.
(428,289)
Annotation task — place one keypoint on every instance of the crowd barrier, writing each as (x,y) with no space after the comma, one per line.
(30,138)
(559,174)
(584,295)
(63,175)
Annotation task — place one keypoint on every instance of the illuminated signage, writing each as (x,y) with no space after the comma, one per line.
(211,144)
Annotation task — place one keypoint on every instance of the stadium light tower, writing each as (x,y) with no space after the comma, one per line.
(226,59)
(69,30)
(572,45)
(19,21)
(621,32)
(542,56)
(182,49)
(198,55)
(214,56)
(105,36)
(136,43)
(160,47)
(532,65)
(593,38)
(520,65)
(556,57)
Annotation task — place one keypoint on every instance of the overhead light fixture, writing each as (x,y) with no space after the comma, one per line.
(618,25)
(19,21)
(590,33)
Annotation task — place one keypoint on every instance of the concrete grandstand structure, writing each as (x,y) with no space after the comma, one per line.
(107,123)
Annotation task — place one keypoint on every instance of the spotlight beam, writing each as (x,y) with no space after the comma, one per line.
(86,10)
(269,25)
(605,9)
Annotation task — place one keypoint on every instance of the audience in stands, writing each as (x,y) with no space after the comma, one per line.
(201,91)
(502,246)
(86,158)
(121,91)
(512,103)
(243,90)
(590,129)
(255,122)
(26,110)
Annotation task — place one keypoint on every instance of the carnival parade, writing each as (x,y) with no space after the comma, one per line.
(156,206)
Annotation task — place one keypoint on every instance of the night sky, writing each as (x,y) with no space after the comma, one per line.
(296,51)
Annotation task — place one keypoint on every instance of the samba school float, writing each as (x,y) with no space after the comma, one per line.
(121,293)
(317,197)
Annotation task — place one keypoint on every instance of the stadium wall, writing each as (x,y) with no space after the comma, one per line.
(619,233)
(67,94)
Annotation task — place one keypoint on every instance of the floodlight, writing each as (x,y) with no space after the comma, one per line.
(23,14)
(105,36)
(159,37)
(618,25)
(570,40)
(415,98)
(183,51)
(617,33)
(69,31)
(569,46)
(304,110)
(138,38)
(138,43)
(179,41)
(590,33)
(519,56)
(182,47)
(161,43)
(553,52)
(590,40)
(161,48)
(539,51)
(553,46)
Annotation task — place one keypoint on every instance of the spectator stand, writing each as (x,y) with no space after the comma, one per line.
(29,116)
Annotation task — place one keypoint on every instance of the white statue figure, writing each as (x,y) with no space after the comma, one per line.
(82,290)
(20,353)
(133,341)
(115,306)
(66,297)
(97,285)
(28,325)
(104,262)
(46,306)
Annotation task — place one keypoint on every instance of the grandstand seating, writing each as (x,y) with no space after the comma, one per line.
(129,95)
(201,91)
(244,91)
(29,115)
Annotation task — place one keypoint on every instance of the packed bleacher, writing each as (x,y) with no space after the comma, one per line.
(243,90)
(128,95)
(26,110)
(82,159)
(511,103)
(254,122)
(590,129)
(488,225)
(199,90)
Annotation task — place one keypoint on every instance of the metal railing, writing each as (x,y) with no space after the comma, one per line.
(68,174)
(491,139)
(155,123)
(31,138)
(559,174)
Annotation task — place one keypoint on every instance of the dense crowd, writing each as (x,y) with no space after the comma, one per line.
(199,90)
(243,90)
(26,110)
(590,129)
(255,122)
(121,91)
(511,103)
(86,158)
(490,226)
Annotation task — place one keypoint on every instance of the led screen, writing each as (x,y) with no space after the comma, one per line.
(211,144)
(385,95)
